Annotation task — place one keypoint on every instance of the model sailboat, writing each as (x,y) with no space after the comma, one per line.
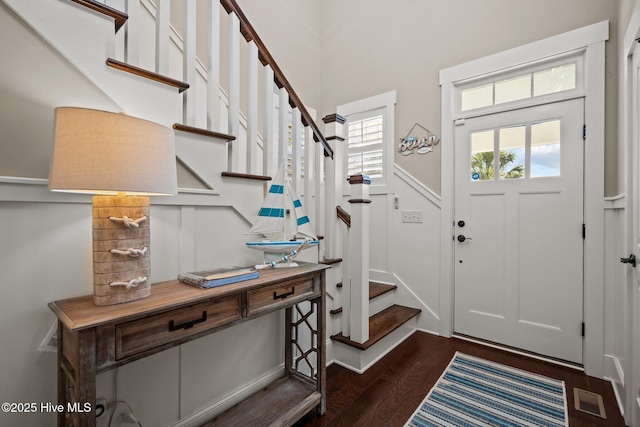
(284,224)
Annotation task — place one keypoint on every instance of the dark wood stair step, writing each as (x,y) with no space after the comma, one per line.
(118,16)
(375,290)
(123,66)
(330,261)
(381,325)
(246,176)
(204,132)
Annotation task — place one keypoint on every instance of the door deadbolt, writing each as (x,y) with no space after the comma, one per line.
(461,224)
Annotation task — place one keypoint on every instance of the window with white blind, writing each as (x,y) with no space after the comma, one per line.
(369,139)
(365,144)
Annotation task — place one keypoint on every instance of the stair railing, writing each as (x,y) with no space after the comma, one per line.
(202,108)
(288,128)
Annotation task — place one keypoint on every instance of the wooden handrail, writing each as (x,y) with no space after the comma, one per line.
(119,17)
(249,33)
(203,132)
(343,215)
(123,66)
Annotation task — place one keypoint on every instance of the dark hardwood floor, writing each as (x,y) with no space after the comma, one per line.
(388,392)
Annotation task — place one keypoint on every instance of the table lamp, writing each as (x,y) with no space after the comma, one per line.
(122,160)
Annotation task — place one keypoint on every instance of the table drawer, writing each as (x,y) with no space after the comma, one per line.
(144,334)
(281,294)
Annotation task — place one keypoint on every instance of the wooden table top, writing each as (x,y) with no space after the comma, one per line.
(81,313)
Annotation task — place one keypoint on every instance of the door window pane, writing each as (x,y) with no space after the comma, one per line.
(545,149)
(512,152)
(513,89)
(477,97)
(554,80)
(482,155)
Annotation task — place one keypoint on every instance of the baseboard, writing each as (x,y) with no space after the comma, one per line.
(389,348)
(612,369)
(615,375)
(211,410)
(426,331)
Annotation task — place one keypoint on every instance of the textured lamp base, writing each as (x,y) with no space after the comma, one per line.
(121,261)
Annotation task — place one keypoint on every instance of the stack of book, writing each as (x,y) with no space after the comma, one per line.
(218,277)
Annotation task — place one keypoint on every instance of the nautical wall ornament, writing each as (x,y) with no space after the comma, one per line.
(421,145)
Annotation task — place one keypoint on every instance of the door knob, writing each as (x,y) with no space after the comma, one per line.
(462,238)
(631,260)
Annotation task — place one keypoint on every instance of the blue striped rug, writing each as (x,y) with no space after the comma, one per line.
(476,392)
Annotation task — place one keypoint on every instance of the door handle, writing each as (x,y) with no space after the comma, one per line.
(462,238)
(631,260)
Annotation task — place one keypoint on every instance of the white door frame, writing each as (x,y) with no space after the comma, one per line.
(592,39)
(628,114)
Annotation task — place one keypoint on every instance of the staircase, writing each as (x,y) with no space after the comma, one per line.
(225,149)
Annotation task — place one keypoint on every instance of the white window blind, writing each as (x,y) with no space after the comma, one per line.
(365,143)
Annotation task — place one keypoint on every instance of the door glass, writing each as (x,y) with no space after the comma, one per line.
(477,97)
(512,152)
(513,89)
(554,80)
(545,149)
(482,164)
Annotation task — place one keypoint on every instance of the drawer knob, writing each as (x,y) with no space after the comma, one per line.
(187,325)
(286,294)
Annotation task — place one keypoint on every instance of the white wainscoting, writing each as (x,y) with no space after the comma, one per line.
(45,255)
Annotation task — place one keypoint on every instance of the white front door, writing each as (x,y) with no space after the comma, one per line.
(519,229)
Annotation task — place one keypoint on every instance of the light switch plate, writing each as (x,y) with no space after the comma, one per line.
(412,216)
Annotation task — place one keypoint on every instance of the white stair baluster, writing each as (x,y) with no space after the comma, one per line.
(163,15)
(310,175)
(189,64)
(252,110)
(120,35)
(320,196)
(295,150)
(132,35)
(233,150)
(283,128)
(268,145)
(213,68)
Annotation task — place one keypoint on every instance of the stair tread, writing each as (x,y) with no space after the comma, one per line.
(123,66)
(118,16)
(329,261)
(375,290)
(204,132)
(381,325)
(246,176)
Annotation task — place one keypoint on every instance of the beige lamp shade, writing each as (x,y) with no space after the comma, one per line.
(100,152)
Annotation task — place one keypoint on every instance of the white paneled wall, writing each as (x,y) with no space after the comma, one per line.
(45,255)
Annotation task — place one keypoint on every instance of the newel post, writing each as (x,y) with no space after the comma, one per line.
(359,244)
(334,174)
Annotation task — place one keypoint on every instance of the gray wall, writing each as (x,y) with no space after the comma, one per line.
(369,47)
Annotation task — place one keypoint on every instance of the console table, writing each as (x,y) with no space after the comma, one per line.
(94,339)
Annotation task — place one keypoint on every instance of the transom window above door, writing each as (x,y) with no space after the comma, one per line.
(559,77)
(529,150)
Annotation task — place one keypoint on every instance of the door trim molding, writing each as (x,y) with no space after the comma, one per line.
(591,38)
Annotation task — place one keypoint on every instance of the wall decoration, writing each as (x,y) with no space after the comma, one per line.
(418,144)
